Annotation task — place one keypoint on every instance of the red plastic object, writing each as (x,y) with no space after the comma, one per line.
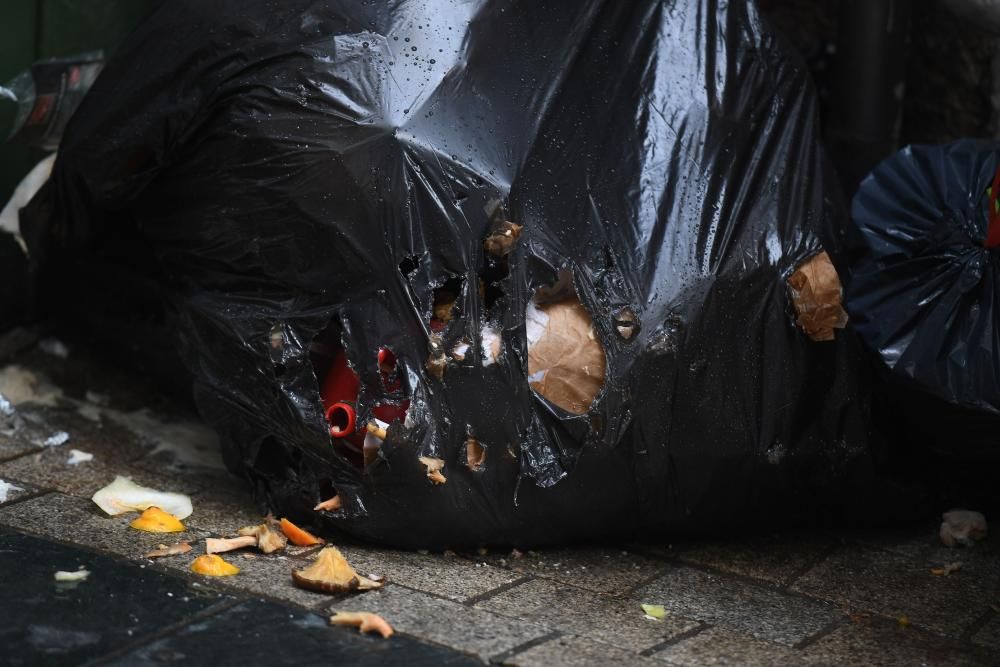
(993,231)
(340,393)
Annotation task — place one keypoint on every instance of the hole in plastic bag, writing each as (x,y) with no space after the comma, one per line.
(445,298)
(409,265)
(566,360)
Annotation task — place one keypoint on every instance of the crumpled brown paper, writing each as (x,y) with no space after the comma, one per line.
(566,360)
(817,294)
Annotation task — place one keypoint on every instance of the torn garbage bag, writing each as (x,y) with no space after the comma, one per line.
(924,291)
(481,272)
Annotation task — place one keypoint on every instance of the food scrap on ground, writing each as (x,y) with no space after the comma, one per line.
(162,550)
(211,565)
(948,569)
(364,621)
(963,527)
(218,545)
(78,575)
(330,505)
(298,536)
(77,457)
(655,612)
(268,539)
(155,520)
(124,495)
(434,467)
(331,573)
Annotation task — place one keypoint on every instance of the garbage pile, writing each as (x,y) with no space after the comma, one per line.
(477,273)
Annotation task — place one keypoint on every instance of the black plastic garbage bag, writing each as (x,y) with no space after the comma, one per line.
(924,291)
(443,180)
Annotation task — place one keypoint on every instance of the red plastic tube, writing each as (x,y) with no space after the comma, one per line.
(339,393)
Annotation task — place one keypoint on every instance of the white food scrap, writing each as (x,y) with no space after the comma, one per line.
(124,495)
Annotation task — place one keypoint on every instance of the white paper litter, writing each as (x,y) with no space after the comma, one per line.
(56,439)
(536,321)
(5,488)
(77,457)
(491,345)
(6,409)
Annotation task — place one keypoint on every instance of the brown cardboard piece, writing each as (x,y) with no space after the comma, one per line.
(816,294)
(566,361)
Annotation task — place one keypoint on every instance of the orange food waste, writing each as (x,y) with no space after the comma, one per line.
(155,520)
(212,565)
(297,536)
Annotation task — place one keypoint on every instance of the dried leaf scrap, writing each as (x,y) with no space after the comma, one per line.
(162,550)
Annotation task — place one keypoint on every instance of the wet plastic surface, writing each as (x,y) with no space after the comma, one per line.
(316,174)
(922,290)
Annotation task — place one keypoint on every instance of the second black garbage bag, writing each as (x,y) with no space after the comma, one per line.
(489,272)
(924,291)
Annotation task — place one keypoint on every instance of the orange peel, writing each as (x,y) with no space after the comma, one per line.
(212,565)
(155,520)
(298,536)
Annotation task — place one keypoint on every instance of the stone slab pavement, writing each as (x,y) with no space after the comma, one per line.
(812,599)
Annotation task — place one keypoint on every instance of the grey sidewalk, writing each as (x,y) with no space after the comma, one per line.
(782,599)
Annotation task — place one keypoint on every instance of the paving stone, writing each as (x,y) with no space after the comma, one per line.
(263,575)
(69,519)
(223,505)
(451,624)
(451,577)
(776,559)
(105,440)
(14,490)
(989,634)
(12,446)
(922,543)
(613,620)
(600,570)
(66,623)
(258,632)
(893,584)
(756,610)
(577,652)
(888,645)
(718,646)
(49,469)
